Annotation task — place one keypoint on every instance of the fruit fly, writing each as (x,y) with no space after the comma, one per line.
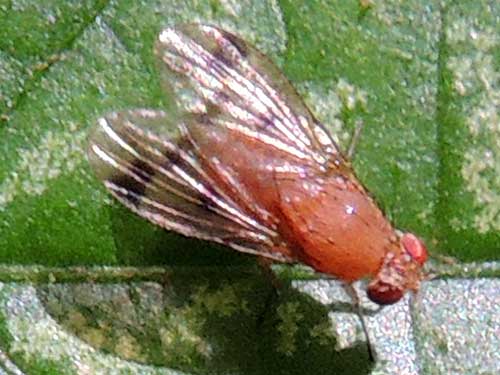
(251,168)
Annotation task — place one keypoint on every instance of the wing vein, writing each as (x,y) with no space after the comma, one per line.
(191,52)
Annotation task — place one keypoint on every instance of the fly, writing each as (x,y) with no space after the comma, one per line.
(251,169)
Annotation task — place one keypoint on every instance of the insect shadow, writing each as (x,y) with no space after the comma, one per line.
(218,319)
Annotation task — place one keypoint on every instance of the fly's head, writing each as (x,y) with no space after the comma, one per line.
(400,271)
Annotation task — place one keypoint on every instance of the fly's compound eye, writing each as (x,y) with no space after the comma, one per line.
(383,293)
(414,247)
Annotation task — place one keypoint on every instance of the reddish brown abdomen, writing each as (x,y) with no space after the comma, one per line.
(339,228)
(327,221)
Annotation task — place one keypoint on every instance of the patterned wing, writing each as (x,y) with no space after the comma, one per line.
(165,182)
(221,73)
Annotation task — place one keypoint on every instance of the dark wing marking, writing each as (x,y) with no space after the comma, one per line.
(247,89)
(164,182)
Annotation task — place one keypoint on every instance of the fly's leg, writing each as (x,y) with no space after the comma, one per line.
(273,293)
(354,140)
(265,264)
(357,303)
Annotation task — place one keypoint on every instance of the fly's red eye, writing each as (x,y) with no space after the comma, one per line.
(415,248)
(384,293)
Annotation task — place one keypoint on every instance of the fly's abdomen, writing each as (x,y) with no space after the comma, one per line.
(341,231)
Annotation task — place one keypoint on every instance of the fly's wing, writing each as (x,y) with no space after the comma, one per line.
(164,182)
(224,77)
(234,87)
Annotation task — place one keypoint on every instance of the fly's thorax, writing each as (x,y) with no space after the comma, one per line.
(401,270)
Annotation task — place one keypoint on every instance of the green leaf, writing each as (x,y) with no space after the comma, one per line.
(423,78)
